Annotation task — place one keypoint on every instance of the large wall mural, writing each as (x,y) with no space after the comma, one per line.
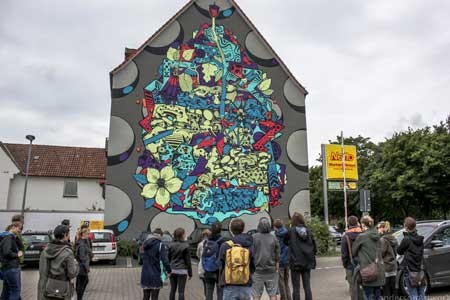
(209,131)
(210,143)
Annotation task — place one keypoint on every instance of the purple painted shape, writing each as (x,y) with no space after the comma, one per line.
(146,160)
(200,168)
(220,136)
(276,148)
(123,156)
(197,138)
(257,136)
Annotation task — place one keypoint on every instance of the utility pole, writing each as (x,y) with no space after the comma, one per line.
(31,139)
(345,179)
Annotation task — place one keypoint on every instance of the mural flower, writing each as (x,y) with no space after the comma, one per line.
(161,184)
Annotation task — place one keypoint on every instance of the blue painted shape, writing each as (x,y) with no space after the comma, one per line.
(175,199)
(228,12)
(142,179)
(122,226)
(188,181)
(158,137)
(127,90)
(149,203)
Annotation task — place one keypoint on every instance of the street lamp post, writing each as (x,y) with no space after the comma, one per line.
(31,139)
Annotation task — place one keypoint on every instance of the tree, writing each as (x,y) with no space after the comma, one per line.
(408,174)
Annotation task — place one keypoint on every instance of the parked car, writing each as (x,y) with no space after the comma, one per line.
(104,245)
(196,237)
(337,237)
(36,242)
(436,253)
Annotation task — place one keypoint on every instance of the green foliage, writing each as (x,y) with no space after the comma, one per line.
(126,247)
(324,241)
(408,175)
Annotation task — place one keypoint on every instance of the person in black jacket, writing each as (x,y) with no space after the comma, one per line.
(180,264)
(302,255)
(9,257)
(412,249)
(155,252)
(83,255)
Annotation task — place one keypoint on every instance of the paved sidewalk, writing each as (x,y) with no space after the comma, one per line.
(121,283)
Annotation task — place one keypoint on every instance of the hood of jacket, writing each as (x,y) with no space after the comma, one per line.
(152,240)
(243,239)
(264,226)
(55,248)
(372,234)
(302,232)
(281,232)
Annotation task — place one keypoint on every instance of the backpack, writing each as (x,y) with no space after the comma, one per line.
(209,256)
(237,265)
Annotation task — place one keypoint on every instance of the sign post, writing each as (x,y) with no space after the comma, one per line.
(364,201)
(325,187)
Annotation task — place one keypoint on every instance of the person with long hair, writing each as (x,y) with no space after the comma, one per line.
(389,246)
(302,255)
(367,249)
(180,263)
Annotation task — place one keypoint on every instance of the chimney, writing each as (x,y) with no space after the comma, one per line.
(129,52)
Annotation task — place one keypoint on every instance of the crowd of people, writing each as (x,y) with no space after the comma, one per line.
(241,267)
(60,262)
(369,256)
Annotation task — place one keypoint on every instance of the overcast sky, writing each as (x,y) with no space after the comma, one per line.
(371,67)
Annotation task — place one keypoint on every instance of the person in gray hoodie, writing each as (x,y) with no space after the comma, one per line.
(267,258)
(57,266)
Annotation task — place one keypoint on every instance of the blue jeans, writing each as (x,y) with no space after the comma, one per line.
(372,292)
(414,293)
(237,293)
(11,284)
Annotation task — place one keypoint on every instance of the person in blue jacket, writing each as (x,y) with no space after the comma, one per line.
(283,280)
(155,255)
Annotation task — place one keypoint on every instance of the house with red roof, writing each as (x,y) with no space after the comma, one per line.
(63,181)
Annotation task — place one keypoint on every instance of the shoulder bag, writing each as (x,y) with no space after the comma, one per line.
(57,287)
(370,272)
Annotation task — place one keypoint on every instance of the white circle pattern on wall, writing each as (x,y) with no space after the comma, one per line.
(118,205)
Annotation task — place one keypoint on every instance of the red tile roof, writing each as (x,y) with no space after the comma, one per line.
(59,161)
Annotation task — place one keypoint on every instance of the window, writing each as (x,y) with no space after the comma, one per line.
(70,189)
(443,236)
(102,237)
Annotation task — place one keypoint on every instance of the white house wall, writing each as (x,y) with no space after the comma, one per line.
(7,170)
(46,193)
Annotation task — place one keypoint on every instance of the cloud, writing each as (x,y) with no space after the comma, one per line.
(371,67)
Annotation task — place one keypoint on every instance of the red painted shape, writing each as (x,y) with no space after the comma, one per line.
(274,128)
(274,196)
(220,144)
(149,103)
(209,141)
